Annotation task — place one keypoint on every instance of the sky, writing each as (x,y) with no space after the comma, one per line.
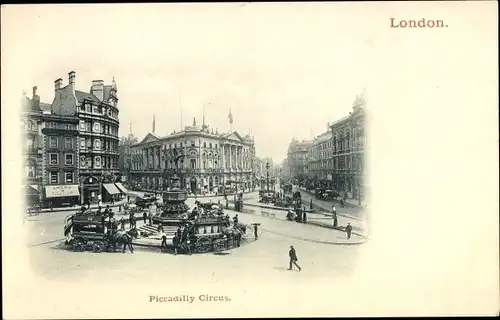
(283,71)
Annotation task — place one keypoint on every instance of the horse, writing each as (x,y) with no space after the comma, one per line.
(122,237)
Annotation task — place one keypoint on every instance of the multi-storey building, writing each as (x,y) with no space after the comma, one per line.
(320,161)
(125,160)
(297,159)
(349,140)
(97,112)
(60,159)
(31,127)
(51,153)
(211,160)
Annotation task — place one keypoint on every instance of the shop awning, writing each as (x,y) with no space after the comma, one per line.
(111,188)
(62,191)
(121,187)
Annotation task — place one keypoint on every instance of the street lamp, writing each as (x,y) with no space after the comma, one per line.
(267,174)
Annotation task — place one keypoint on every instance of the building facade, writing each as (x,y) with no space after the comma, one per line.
(98,123)
(348,142)
(320,160)
(31,129)
(60,159)
(209,160)
(297,159)
(125,151)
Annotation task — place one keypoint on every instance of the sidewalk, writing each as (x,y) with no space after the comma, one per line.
(75,208)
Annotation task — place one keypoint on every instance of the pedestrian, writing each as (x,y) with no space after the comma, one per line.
(145,217)
(348,230)
(122,224)
(235,220)
(304,216)
(342,202)
(293,258)
(255,231)
(175,242)
(335,221)
(150,216)
(134,223)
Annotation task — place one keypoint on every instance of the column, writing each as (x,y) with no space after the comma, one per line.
(230,157)
(222,161)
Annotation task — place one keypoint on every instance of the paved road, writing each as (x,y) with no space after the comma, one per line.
(50,259)
(327,205)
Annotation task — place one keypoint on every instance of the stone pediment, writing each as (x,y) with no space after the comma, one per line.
(234,137)
(150,137)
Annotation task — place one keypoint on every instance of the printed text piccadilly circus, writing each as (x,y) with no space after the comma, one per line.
(189,298)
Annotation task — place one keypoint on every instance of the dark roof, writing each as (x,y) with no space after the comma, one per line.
(80,96)
(107,89)
(30,105)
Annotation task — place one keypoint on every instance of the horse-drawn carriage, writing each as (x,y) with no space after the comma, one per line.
(93,230)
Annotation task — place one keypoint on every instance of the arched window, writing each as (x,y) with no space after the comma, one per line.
(31,168)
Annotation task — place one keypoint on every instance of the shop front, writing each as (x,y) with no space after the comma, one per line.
(62,195)
(110,192)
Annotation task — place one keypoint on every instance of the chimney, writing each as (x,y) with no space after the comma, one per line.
(58,84)
(72,77)
(97,89)
(34,91)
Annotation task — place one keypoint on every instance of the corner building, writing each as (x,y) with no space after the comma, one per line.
(98,124)
(349,141)
(211,160)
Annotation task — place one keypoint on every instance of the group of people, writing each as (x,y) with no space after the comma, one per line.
(182,236)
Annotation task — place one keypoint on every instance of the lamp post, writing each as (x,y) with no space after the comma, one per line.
(267,175)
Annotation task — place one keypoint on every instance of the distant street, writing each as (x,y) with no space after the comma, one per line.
(327,205)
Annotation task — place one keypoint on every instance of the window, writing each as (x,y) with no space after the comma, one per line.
(193,163)
(68,177)
(216,146)
(97,127)
(53,159)
(31,168)
(192,143)
(82,143)
(88,126)
(210,145)
(89,162)
(97,144)
(95,109)
(53,142)
(69,159)
(204,144)
(82,161)
(68,143)
(52,125)
(88,108)
(54,179)
(97,162)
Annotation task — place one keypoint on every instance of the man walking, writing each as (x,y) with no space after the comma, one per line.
(293,258)
(348,230)
(255,231)
(145,217)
